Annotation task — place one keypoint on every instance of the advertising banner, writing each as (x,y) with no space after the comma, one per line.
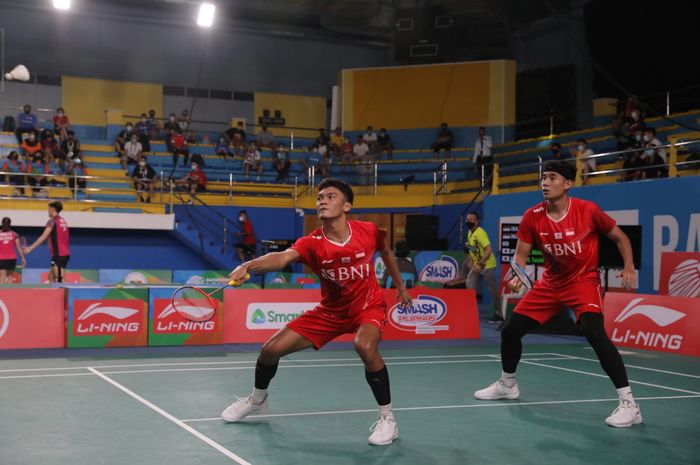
(32,318)
(167,328)
(280,280)
(41,276)
(100,317)
(201,277)
(680,274)
(136,277)
(436,266)
(253,316)
(653,322)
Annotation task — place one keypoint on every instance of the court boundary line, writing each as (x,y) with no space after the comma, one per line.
(202,437)
(677,373)
(446,407)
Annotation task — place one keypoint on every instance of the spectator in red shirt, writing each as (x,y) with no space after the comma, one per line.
(30,145)
(8,257)
(61,124)
(56,231)
(179,144)
(195,180)
(246,248)
(49,145)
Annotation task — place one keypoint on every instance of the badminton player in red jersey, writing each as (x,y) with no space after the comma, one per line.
(566,230)
(56,231)
(341,254)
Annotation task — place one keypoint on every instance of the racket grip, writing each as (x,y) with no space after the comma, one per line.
(233,282)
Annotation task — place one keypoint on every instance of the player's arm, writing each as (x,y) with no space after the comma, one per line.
(393,269)
(21,252)
(272,261)
(45,235)
(522,251)
(628,275)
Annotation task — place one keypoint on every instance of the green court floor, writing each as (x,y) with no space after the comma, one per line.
(164,410)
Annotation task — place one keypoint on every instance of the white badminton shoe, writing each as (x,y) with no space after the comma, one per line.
(497,391)
(626,414)
(242,407)
(384,431)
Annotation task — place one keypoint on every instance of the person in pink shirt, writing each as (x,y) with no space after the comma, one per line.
(57,231)
(9,241)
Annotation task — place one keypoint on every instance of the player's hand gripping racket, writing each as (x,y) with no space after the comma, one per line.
(521,274)
(194,304)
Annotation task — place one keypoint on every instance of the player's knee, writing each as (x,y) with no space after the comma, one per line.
(270,353)
(592,327)
(366,349)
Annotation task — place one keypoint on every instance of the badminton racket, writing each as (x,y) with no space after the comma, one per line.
(195,304)
(521,274)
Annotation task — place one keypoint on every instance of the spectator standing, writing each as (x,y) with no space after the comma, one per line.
(133,151)
(384,143)
(237,138)
(265,138)
(443,142)
(252,161)
(9,242)
(169,128)
(483,262)
(325,154)
(246,248)
(144,180)
(143,129)
(655,155)
(183,121)
(26,121)
(61,124)
(16,167)
(588,165)
(282,163)
(180,147)
(482,151)
(57,230)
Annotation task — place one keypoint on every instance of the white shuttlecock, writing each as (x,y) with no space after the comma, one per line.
(19,73)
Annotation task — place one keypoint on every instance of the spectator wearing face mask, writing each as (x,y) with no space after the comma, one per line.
(49,145)
(370,138)
(133,151)
(143,129)
(30,145)
(282,163)
(587,164)
(144,180)
(38,167)
(222,148)
(71,146)
(195,180)
(635,122)
(236,137)
(76,167)
(482,151)
(252,162)
(557,152)
(61,124)
(169,128)
(180,147)
(57,167)
(443,142)
(26,121)
(16,167)
(654,156)
(247,245)
(265,138)
(153,125)
(483,262)
(185,122)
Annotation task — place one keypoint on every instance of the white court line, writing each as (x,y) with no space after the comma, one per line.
(635,366)
(446,407)
(238,362)
(179,423)
(606,376)
(55,375)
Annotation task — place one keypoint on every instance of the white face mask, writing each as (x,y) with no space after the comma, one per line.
(635,116)
(581,148)
(172,118)
(142,163)
(194,167)
(60,113)
(638,137)
(241,218)
(646,138)
(128,129)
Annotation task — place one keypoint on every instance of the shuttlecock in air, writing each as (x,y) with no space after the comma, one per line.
(19,73)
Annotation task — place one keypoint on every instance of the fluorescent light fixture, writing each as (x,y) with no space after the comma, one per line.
(61,4)
(206,14)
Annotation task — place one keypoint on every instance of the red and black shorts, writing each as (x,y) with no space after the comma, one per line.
(542,302)
(60,261)
(321,327)
(8,264)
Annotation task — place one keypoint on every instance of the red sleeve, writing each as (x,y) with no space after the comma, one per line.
(526,230)
(49,224)
(379,239)
(305,248)
(55,120)
(602,220)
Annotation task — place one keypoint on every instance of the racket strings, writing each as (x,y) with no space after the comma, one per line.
(193,305)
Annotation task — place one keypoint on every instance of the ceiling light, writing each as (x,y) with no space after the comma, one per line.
(206,14)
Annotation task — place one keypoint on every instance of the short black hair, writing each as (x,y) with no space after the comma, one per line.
(244,212)
(566,169)
(555,144)
(340,185)
(582,141)
(402,249)
(56,205)
(651,130)
(475,214)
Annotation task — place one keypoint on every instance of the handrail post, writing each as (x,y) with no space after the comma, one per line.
(172,194)
(296,191)
(225,234)
(673,160)
(75,187)
(230,187)
(495,180)
(444,177)
(161,186)
(461,229)
(539,165)
(551,122)
(483,175)
(434,187)
(375,177)
(579,169)
(668,102)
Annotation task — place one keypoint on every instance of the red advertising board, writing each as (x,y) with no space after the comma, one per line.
(32,318)
(680,274)
(654,322)
(253,315)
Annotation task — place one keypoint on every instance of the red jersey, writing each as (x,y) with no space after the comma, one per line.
(58,240)
(348,282)
(570,244)
(7,245)
(249,237)
(199,177)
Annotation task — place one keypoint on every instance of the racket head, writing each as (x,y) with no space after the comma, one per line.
(194,304)
(522,275)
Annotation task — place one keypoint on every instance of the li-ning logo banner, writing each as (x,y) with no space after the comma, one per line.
(640,333)
(685,279)
(107,317)
(169,321)
(4,318)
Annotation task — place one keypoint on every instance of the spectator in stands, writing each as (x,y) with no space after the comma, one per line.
(246,247)
(144,180)
(587,164)
(169,128)
(635,123)
(143,129)
(9,240)
(252,161)
(180,147)
(384,143)
(49,145)
(153,125)
(312,158)
(15,166)
(30,145)
(26,121)
(654,156)
(57,167)
(282,163)
(183,121)
(322,137)
(633,166)
(265,138)
(337,141)
(195,180)
(61,124)
(325,166)
(133,151)
(406,265)
(443,142)
(558,153)
(482,150)
(38,166)
(222,148)
(483,262)
(76,167)
(360,150)
(71,146)
(237,138)
(347,155)
(370,138)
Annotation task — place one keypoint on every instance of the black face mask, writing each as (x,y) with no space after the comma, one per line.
(470,225)
(555,151)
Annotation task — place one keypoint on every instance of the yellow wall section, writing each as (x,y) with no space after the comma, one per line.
(411,97)
(86,100)
(298,111)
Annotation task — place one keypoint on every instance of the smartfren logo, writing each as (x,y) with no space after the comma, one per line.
(274,315)
(258,317)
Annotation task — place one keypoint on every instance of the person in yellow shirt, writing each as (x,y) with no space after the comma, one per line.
(338,140)
(483,262)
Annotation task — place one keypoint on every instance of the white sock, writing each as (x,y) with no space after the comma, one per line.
(385,410)
(625,394)
(259,395)
(508,379)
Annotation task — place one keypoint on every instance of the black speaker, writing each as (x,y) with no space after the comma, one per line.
(424,35)
(422,231)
